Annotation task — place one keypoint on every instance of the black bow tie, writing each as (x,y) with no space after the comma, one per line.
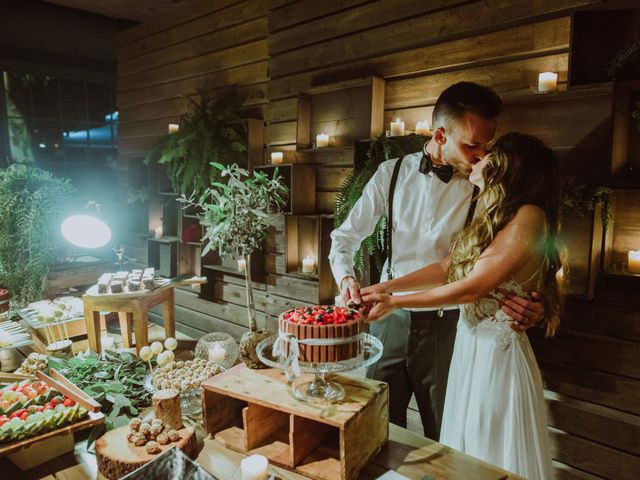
(443,172)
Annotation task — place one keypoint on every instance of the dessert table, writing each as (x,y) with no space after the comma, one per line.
(407,453)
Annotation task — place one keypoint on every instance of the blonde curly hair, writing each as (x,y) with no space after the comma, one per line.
(520,170)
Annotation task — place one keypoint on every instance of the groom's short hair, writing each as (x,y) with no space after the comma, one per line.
(464,97)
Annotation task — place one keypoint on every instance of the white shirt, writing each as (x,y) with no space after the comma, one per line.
(427,215)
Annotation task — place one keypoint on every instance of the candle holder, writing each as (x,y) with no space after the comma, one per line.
(218,339)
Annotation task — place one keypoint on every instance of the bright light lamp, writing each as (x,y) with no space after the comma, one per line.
(85,231)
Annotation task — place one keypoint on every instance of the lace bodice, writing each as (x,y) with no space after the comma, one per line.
(487,316)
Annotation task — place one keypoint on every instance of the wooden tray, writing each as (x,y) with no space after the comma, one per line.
(93,419)
(175,282)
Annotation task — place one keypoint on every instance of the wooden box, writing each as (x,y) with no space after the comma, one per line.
(162,255)
(300,179)
(253,411)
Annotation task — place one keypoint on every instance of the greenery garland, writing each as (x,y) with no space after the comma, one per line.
(382,148)
(31,204)
(211,132)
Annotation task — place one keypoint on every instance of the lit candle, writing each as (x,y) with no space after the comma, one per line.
(276,158)
(173,128)
(634,261)
(397,128)
(158,231)
(217,354)
(308,265)
(242,265)
(547,82)
(254,468)
(322,140)
(422,127)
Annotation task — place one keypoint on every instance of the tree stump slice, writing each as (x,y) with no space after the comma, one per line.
(117,457)
(166,407)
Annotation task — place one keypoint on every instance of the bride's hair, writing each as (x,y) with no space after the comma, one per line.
(520,170)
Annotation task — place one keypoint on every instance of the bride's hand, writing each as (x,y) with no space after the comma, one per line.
(382,305)
(375,288)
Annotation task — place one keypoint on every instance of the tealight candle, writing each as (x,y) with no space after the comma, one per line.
(173,128)
(276,158)
(217,354)
(422,127)
(633,265)
(308,265)
(547,82)
(397,128)
(322,140)
(242,265)
(254,468)
(157,233)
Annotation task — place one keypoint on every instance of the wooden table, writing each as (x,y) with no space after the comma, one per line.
(407,453)
(133,308)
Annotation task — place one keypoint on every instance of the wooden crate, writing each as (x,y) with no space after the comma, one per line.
(253,411)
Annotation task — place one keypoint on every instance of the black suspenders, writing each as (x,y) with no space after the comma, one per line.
(392,191)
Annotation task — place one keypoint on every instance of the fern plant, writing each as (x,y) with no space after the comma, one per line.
(211,132)
(31,205)
(579,198)
(382,148)
(625,62)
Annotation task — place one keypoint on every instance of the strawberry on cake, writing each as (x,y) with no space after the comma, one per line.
(319,322)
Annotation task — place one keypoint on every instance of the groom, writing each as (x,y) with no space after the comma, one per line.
(431,203)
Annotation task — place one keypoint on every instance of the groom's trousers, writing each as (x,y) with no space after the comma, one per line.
(416,358)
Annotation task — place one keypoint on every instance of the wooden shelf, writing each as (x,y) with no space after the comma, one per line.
(327,149)
(165,239)
(168,194)
(300,179)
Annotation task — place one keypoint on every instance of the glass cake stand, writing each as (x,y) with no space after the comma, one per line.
(319,388)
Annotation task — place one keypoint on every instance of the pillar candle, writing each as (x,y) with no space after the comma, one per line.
(217,354)
(174,127)
(422,127)
(634,261)
(308,265)
(547,82)
(322,140)
(158,233)
(276,158)
(254,468)
(396,129)
(242,265)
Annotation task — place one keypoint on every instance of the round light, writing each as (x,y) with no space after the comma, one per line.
(86,231)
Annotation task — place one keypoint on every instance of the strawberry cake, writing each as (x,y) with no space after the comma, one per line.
(323,321)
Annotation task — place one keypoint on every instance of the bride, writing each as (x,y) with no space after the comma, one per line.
(494,406)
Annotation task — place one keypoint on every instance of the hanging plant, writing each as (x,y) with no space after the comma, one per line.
(31,205)
(211,132)
(626,63)
(382,148)
(580,198)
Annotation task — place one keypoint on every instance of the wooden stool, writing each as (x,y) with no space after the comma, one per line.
(132,309)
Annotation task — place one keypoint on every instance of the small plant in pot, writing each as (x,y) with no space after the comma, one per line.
(236,214)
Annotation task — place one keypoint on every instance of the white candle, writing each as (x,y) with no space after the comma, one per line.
(308,265)
(422,127)
(157,233)
(547,82)
(254,468)
(397,128)
(634,261)
(217,354)
(276,158)
(242,265)
(173,128)
(322,140)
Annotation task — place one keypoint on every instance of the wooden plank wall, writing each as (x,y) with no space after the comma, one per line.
(276,49)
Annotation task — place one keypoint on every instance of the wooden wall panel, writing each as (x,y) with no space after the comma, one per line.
(274,50)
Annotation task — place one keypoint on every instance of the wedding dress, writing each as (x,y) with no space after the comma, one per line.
(494,406)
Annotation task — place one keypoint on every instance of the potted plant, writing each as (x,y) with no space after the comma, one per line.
(235,217)
(211,132)
(31,205)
